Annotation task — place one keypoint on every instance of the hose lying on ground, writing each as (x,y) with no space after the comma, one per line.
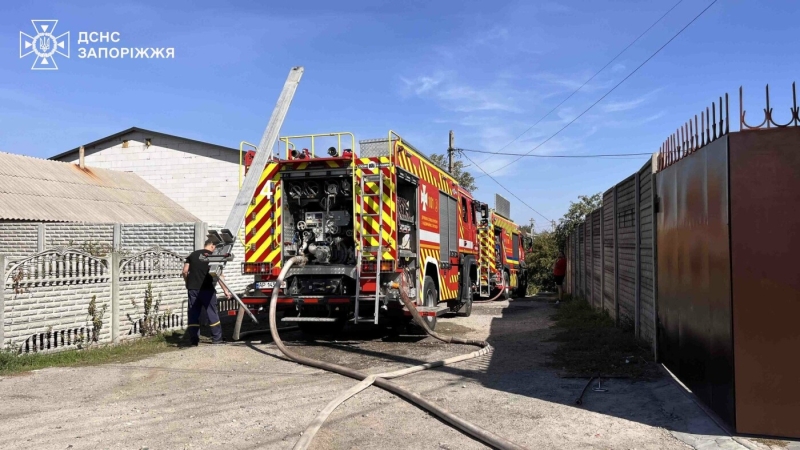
(378,380)
(579,400)
(239,334)
(316,424)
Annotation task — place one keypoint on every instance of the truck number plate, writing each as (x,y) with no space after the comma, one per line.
(265,285)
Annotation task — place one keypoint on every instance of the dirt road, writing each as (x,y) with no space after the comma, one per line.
(245,395)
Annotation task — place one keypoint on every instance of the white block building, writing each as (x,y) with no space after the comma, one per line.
(201,177)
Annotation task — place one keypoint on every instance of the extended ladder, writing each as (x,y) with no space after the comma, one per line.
(367,250)
(226,237)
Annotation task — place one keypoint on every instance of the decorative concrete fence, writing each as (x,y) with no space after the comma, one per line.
(66,298)
(52,271)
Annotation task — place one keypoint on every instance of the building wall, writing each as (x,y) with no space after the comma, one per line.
(203,178)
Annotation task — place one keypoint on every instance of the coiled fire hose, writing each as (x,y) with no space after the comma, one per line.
(380,379)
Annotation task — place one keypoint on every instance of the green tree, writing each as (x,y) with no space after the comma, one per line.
(464,178)
(546,244)
(539,262)
(575,215)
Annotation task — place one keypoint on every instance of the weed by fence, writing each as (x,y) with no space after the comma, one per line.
(589,343)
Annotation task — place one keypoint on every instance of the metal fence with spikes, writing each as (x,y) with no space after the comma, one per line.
(693,136)
(707,267)
(768,121)
(714,123)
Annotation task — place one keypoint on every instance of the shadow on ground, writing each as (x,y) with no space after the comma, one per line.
(521,334)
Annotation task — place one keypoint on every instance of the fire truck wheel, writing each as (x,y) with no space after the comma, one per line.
(506,287)
(466,289)
(522,290)
(430,298)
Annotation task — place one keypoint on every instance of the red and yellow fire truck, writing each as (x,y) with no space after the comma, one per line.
(502,254)
(370,223)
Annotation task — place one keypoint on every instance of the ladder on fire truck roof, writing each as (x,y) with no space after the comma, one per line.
(366,250)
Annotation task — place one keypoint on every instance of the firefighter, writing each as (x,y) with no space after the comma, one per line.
(202,294)
(559,272)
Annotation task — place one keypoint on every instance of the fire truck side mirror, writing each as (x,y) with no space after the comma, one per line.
(484,210)
(527,243)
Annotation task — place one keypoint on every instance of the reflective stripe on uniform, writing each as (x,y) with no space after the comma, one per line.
(194,324)
(213,324)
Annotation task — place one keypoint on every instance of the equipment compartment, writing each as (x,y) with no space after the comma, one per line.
(318,219)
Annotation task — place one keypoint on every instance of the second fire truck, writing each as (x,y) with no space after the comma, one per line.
(371,223)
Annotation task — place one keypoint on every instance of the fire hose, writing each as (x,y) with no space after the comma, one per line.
(502,288)
(381,381)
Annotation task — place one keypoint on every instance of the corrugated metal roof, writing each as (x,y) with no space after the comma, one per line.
(53,191)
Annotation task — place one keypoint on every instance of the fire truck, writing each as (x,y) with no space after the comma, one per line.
(502,253)
(371,222)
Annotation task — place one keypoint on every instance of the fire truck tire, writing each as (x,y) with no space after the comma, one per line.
(506,287)
(522,290)
(466,288)
(430,298)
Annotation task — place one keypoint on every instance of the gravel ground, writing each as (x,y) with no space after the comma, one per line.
(246,395)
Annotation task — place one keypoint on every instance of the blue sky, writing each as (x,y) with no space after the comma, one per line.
(487,70)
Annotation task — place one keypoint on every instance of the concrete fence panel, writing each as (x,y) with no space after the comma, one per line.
(626,248)
(47,298)
(609,253)
(150,279)
(612,255)
(597,258)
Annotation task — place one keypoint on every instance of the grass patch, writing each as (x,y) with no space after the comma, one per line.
(11,363)
(589,344)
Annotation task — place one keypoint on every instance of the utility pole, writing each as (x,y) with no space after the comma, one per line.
(450,150)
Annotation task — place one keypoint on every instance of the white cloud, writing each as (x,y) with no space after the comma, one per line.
(570,82)
(627,105)
(456,96)
(618,67)
(423,84)
(623,105)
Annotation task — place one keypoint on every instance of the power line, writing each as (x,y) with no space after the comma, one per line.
(507,190)
(608,155)
(612,89)
(593,76)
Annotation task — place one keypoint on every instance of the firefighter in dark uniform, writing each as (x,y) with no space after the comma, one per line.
(202,294)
